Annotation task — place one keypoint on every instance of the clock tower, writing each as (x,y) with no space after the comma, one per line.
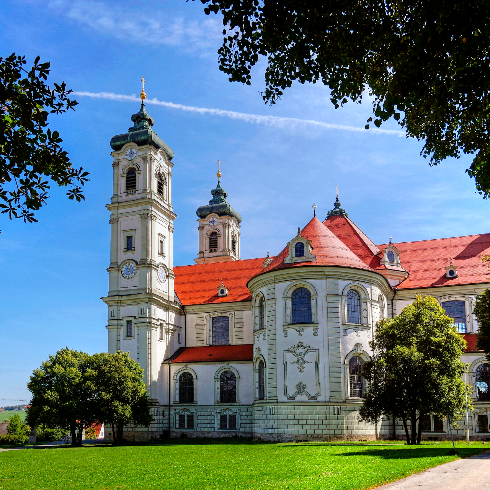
(142,310)
(219,228)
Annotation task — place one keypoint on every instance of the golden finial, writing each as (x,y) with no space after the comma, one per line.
(219,171)
(143,94)
(337,188)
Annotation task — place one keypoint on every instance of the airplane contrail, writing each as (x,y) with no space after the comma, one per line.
(250,118)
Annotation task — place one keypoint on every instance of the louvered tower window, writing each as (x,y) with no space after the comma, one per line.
(213,242)
(131,179)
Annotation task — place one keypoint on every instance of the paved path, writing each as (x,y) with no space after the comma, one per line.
(464,474)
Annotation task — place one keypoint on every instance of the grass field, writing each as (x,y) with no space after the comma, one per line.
(229,464)
(6,414)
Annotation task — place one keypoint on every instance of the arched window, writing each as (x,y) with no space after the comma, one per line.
(227,387)
(161,185)
(186,388)
(213,242)
(233,245)
(131,179)
(261,313)
(483,382)
(353,307)
(221,330)
(261,380)
(456,310)
(301,306)
(299,249)
(356,382)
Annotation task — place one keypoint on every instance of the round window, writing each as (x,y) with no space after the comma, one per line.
(450,272)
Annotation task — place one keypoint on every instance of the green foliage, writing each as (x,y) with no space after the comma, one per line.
(46,434)
(425,64)
(30,152)
(64,393)
(482,313)
(74,390)
(122,396)
(416,368)
(17,429)
(204,464)
(7,439)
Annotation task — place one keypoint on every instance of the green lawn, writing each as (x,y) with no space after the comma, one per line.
(6,414)
(229,464)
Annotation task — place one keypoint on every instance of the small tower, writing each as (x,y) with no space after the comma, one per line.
(219,228)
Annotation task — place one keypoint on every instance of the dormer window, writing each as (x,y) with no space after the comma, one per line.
(451,271)
(391,257)
(222,290)
(299,249)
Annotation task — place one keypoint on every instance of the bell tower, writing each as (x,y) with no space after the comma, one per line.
(219,228)
(141,305)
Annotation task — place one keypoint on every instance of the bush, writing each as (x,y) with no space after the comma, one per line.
(18,430)
(13,439)
(46,434)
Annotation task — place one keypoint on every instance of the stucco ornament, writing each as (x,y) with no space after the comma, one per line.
(300,390)
(299,351)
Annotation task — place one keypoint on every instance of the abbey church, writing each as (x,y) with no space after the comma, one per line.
(271,347)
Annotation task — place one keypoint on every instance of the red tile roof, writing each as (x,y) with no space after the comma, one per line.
(214,353)
(470,342)
(426,261)
(354,238)
(198,284)
(327,248)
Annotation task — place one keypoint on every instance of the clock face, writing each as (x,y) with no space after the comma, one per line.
(130,154)
(213,221)
(162,273)
(128,269)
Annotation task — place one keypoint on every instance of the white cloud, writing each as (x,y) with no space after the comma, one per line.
(136,27)
(281,122)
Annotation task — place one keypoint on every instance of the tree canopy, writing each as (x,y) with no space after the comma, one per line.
(482,313)
(416,368)
(74,390)
(425,64)
(30,151)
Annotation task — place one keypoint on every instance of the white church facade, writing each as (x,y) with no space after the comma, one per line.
(271,347)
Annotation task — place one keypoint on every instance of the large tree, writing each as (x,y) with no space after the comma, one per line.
(122,396)
(416,368)
(64,393)
(30,152)
(482,313)
(425,63)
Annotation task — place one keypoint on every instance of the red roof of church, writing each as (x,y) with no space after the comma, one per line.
(327,248)
(426,261)
(354,238)
(199,283)
(214,353)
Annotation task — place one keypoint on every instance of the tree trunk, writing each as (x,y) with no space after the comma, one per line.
(413,422)
(119,430)
(407,435)
(419,431)
(113,435)
(73,434)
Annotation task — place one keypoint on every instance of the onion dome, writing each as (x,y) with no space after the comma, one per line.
(141,133)
(218,204)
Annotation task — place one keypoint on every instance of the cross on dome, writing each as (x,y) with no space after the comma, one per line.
(143,94)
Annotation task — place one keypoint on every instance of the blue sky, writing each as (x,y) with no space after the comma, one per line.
(276,162)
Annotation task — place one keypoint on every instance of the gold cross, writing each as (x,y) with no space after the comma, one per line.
(219,171)
(143,94)
(337,187)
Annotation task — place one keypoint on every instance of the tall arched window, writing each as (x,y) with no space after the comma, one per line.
(299,249)
(483,382)
(227,387)
(457,311)
(221,330)
(301,306)
(213,242)
(261,369)
(186,388)
(131,179)
(356,382)
(261,313)
(161,185)
(353,307)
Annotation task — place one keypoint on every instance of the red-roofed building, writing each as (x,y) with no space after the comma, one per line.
(270,347)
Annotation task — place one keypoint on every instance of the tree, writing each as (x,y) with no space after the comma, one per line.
(425,64)
(64,393)
(122,396)
(416,368)
(18,429)
(29,150)
(482,313)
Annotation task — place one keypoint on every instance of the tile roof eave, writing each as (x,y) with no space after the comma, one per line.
(439,285)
